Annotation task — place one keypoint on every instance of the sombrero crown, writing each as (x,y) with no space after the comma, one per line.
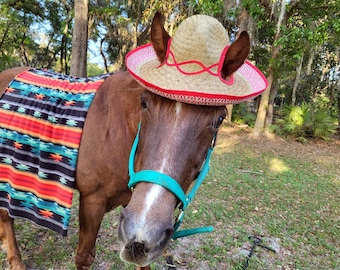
(191,72)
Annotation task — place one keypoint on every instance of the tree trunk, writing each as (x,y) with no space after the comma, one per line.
(246,23)
(79,40)
(297,80)
(310,60)
(261,123)
(229,111)
(338,99)
(270,111)
(261,117)
(64,42)
(263,107)
(103,55)
(339,108)
(4,36)
(338,90)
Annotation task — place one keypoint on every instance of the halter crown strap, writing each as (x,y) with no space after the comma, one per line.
(172,185)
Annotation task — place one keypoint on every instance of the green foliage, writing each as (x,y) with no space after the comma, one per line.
(94,70)
(39,34)
(322,124)
(243,115)
(208,7)
(305,122)
(34,33)
(256,10)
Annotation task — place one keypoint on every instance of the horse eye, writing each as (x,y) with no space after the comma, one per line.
(144,103)
(220,120)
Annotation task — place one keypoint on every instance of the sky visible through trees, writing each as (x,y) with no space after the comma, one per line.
(295,43)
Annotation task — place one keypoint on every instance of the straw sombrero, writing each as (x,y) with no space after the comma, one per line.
(191,72)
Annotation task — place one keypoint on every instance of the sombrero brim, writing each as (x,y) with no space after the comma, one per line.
(203,89)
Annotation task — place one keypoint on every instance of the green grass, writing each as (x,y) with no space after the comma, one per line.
(284,192)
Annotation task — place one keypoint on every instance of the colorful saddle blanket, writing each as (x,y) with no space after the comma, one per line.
(41,119)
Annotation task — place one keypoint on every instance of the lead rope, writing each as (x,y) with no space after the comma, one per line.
(256,243)
(197,183)
(170,262)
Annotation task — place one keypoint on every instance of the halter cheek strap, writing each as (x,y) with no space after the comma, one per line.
(172,185)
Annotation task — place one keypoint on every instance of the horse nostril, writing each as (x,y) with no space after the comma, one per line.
(168,232)
(122,217)
(139,248)
(129,245)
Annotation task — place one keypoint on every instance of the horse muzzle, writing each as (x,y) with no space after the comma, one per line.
(142,242)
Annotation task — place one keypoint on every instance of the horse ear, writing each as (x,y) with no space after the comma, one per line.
(236,55)
(159,37)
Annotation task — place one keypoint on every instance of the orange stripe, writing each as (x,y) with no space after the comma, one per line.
(27,181)
(64,85)
(61,134)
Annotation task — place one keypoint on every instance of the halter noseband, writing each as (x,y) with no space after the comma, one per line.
(172,185)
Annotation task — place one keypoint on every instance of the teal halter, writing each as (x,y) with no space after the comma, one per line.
(172,185)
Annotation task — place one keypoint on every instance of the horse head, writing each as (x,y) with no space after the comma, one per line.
(174,140)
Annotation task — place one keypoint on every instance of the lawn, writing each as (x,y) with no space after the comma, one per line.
(281,191)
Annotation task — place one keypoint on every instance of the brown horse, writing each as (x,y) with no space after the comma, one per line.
(174,140)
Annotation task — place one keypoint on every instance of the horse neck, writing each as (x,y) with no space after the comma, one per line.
(118,98)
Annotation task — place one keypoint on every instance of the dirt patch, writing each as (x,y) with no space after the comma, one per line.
(321,153)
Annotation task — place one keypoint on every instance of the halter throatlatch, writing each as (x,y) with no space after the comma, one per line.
(172,185)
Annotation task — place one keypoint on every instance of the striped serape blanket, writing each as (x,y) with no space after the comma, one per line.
(42,114)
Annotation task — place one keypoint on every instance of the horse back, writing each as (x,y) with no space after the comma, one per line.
(8,75)
(108,134)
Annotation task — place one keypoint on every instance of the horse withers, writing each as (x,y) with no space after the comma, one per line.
(174,139)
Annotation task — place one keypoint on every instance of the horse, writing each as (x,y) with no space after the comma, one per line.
(174,139)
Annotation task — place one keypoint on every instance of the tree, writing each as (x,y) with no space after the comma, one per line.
(35,33)
(293,31)
(265,98)
(295,43)
(79,39)
(16,43)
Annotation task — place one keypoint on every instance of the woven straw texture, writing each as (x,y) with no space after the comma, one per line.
(191,72)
